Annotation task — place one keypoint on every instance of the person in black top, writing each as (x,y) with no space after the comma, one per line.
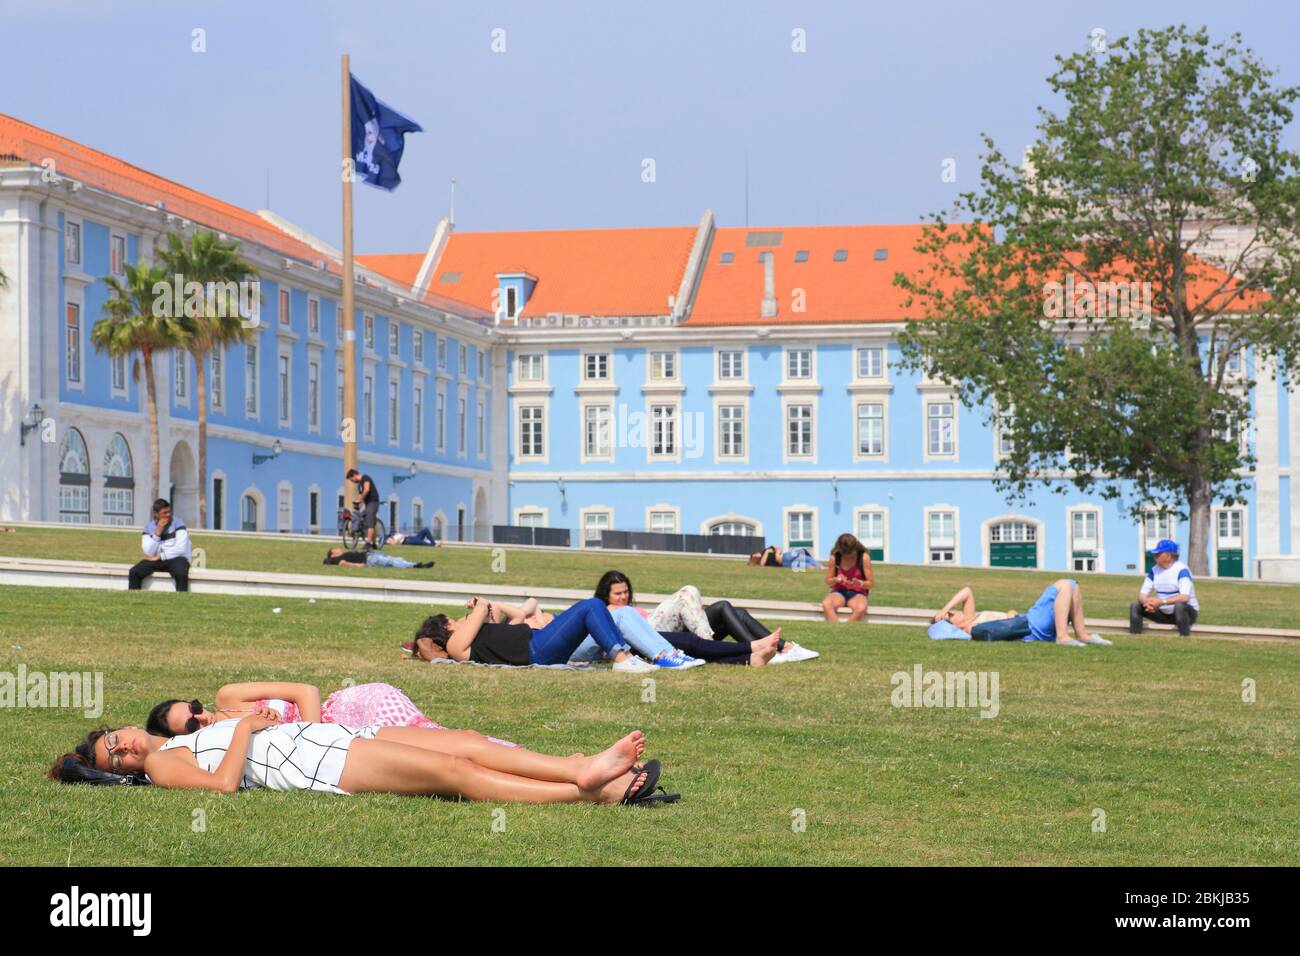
(367,502)
(474,638)
(369,559)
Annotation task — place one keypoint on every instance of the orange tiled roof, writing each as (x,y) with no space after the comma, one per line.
(401,267)
(578,271)
(31,144)
(858,289)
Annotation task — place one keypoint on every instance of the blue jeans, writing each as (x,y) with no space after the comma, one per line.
(423,536)
(376,560)
(636,630)
(556,642)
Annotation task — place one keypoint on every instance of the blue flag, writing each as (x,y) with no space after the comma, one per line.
(378,133)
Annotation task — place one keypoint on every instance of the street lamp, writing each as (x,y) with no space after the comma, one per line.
(33,422)
(276,449)
(410,473)
(560,485)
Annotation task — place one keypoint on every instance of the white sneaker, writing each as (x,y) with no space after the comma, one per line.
(1097,639)
(793,653)
(634,665)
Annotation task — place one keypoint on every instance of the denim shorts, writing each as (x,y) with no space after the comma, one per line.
(1009,629)
(848,593)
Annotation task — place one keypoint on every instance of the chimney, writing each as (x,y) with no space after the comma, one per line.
(768,310)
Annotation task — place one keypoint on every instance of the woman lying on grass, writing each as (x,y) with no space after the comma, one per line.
(259,751)
(1057,609)
(364,705)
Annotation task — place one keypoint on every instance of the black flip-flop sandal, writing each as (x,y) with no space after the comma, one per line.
(649,792)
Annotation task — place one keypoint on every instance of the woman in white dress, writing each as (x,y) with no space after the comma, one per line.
(260,751)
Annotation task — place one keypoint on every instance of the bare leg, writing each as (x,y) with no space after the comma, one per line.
(762,651)
(857,608)
(586,772)
(1061,610)
(831,605)
(381,766)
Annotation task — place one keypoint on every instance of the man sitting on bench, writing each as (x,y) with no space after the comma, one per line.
(166,544)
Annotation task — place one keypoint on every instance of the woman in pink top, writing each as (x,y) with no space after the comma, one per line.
(848,575)
(362,705)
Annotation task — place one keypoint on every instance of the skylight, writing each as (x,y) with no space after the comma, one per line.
(801,255)
(882,255)
(841,255)
(763,238)
(726,257)
(449,277)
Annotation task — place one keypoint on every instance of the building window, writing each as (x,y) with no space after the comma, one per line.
(368,405)
(313,316)
(118,364)
(72,243)
(530,431)
(799,432)
(283,382)
(284,519)
(1085,543)
(313,510)
(417,516)
(871,362)
(871,430)
(799,529)
(74,342)
(218,503)
(594,523)
(871,532)
(798,363)
(313,395)
(1229,530)
(119,483)
(218,386)
(529,519)
(482,365)
(440,420)
(417,345)
(417,419)
(393,431)
(940,429)
(531,368)
(368,332)
(250,379)
(286,318)
(394,338)
(731,365)
(1013,532)
(442,352)
(338,393)
(463,356)
(663,366)
(512,302)
(595,367)
(117,255)
(731,431)
(482,430)
(248,513)
(941,537)
(733,528)
(180,376)
(663,522)
(462,427)
(74,479)
(596,419)
(663,420)
(1004,427)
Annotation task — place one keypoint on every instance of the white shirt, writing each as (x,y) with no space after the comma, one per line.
(1166,582)
(174,543)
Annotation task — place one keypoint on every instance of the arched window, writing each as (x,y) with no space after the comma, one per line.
(119,483)
(74,479)
(732,527)
(248,513)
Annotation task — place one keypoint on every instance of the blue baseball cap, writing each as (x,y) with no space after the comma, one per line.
(1165,547)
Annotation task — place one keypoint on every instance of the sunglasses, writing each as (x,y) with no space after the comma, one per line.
(192,725)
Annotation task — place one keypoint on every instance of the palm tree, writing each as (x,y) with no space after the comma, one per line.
(132,324)
(213,263)
(4,279)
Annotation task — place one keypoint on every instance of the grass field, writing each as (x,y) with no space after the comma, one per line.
(1152,731)
(1247,604)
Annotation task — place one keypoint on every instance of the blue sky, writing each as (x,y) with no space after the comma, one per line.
(553,132)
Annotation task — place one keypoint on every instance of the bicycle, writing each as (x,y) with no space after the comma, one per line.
(353,533)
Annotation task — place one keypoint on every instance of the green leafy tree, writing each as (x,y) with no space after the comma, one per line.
(133,323)
(1130,391)
(210,317)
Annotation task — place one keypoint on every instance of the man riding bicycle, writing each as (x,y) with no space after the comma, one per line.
(367,502)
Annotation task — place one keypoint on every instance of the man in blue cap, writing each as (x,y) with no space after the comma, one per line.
(1167,593)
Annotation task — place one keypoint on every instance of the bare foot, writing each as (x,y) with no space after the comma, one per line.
(777,635)
(610,763)
(614,790)
(763,651)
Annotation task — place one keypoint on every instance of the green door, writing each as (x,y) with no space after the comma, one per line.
(1013,554)
(1149,563)
(876,554)
(1231,563)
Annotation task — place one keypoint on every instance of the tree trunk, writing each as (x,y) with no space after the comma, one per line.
(1200,497)
(201,393)
(151,396)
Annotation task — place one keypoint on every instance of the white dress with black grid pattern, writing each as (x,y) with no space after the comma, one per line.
(297,756)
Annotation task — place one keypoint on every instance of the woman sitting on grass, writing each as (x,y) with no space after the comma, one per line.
(259,751)
(849,576)
(364,705)
(475,637)
(1059,607)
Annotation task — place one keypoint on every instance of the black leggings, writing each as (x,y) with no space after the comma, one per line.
(736,623)
(716,652)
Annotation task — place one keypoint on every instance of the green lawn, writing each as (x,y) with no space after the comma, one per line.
(1152,731)
(1105,595)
